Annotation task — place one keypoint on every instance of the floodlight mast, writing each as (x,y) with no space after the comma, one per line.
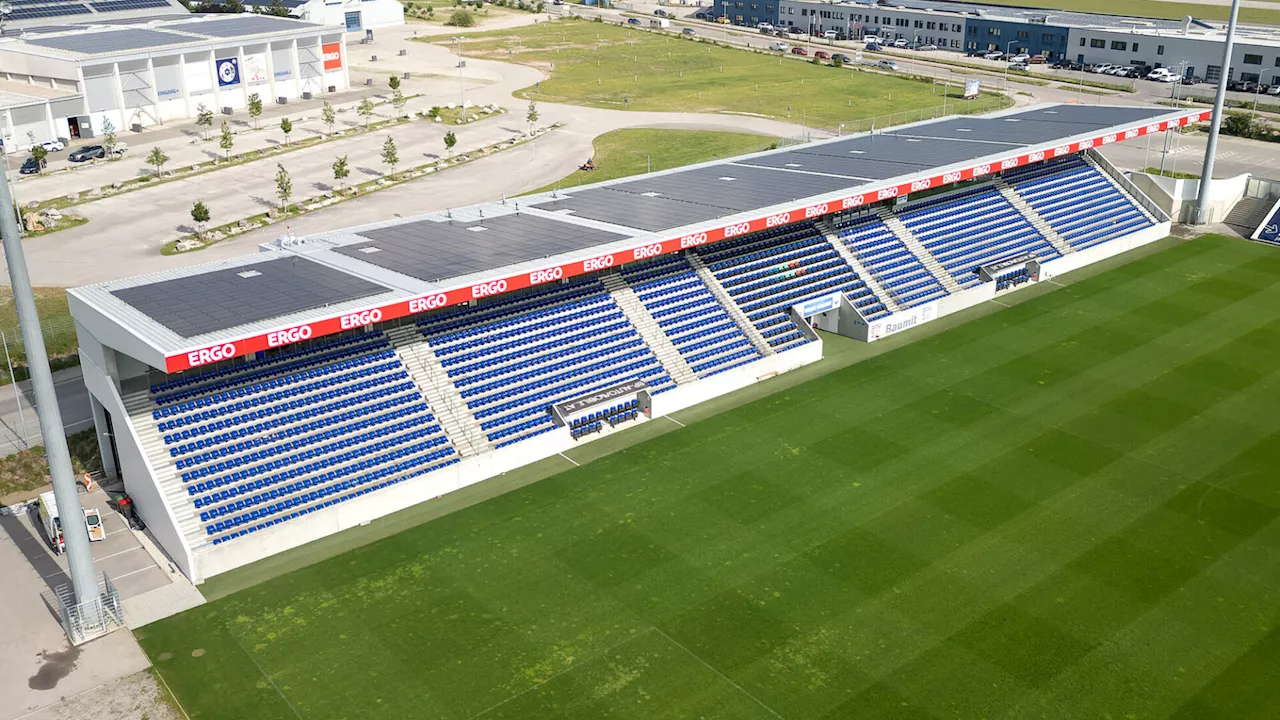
(74,531)
(1211,148)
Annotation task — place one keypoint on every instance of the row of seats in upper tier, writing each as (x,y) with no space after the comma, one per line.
(1079,202)
(898,270)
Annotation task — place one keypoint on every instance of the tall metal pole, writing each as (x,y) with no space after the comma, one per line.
(1211,148)
(74,531)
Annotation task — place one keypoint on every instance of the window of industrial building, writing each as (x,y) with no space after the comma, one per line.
(1047,37)
(931,25)
(993,31)
(955,44)
(1159,49)
(973,29)
(919,24)
(1252,59)
(955,27)
(1275,80)
(1081,42)
(1119,45)
(1135,49)
(1023,35)
(1213,73)
(1097,43)
(1250,77)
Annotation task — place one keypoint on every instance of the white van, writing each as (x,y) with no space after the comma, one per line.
(779,46)
(48,511)
(1162,75)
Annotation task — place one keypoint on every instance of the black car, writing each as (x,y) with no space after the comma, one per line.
(30,167)
(88,152)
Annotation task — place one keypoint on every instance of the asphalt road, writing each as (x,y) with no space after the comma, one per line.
(19,425)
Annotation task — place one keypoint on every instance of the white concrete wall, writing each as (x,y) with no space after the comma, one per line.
(1177,197)
(1197,51)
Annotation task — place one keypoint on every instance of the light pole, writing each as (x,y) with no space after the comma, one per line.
(462,91)
(648,159)
(1211,147)
(1007,47)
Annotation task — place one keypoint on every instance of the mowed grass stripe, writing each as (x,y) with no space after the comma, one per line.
(932,532)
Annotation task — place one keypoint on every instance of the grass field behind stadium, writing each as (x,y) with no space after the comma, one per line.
(1064,509)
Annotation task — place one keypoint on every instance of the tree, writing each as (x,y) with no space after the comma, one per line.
(449,141)
(108,136)
(398,101)
(276,8)
(532,116)
(1240,125)
(837,60)
(394,82)
(204,119)
(286,127)
(434,112)
(365,110)
(461,18)
(328,115)
(157,159)
(284,186)
(255,108)
(341,171)
(40,154)
(226,139)
(200,214)
(389,155)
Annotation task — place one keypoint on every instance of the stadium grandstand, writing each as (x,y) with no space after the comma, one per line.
(256,404)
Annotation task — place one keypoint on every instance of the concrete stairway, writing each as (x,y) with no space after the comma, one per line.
(908,238)
(1030,213)
(744,323)
(867,276)
(441,394)
(1248,214)
(1118,185)
(139,405)
(649,329)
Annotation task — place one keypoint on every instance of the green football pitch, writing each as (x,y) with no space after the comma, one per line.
(1063,509)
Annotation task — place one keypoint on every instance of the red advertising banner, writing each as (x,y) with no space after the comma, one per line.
(455,296)
(332,55)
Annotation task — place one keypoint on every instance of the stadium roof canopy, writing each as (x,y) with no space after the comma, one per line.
(298,288)
(129,36)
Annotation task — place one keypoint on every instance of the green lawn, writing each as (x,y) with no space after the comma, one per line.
(609,66)
(55,320)
(622,153)
(1065,509)
(1152,8)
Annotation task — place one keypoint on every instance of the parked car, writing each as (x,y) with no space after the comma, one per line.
(900,43)
(799,51)
(1273,90)
(874,47)
(1020,58)
(53,145)
(93,521)
(1037,60)
(633,21)
(1100,69)
(846,60)
(723,20)
(926,47)
(700,16)
(830,35)
(660,12)
(779,46)
(887,65)
(765,28)
(975,53)
(822,55)
(88,152)
(1019,66)
(1192,80)
(1162,75)
(993,55)
(688,31)
(30,167)
(120,148)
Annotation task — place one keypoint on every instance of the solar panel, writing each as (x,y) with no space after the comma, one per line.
(110,40)
(221,299)
(732,187)
(115,5)
(238,26)
(430,250)
(28,13)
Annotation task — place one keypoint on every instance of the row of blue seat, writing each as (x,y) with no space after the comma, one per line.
(546,340)
(264,359)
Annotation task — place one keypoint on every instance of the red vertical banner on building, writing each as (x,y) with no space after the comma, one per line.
(332,53)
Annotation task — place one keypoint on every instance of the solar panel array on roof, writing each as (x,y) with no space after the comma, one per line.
(240,26)
(116,5)
(110,41)
(874,157)
(430,250)
(47,11)
(634,211)
(222,299)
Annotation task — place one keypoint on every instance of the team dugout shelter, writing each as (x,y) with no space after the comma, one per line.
(864,235)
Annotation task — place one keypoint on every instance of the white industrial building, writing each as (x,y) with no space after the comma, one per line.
(354,15)
(142,72)
(1192,51)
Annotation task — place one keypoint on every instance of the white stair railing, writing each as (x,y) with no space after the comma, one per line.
(886,296)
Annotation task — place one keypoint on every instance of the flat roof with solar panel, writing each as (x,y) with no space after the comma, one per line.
(403,267)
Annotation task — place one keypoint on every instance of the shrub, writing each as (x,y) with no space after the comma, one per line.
(461,18)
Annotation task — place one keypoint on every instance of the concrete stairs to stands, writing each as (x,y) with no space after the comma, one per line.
(441,394)
(1037,221)
(886,297)
(744,323)
(1248,214)
(649,329)
(1088,157)
(908,238)
(140,405)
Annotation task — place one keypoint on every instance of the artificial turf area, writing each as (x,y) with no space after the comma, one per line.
(1065,509)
